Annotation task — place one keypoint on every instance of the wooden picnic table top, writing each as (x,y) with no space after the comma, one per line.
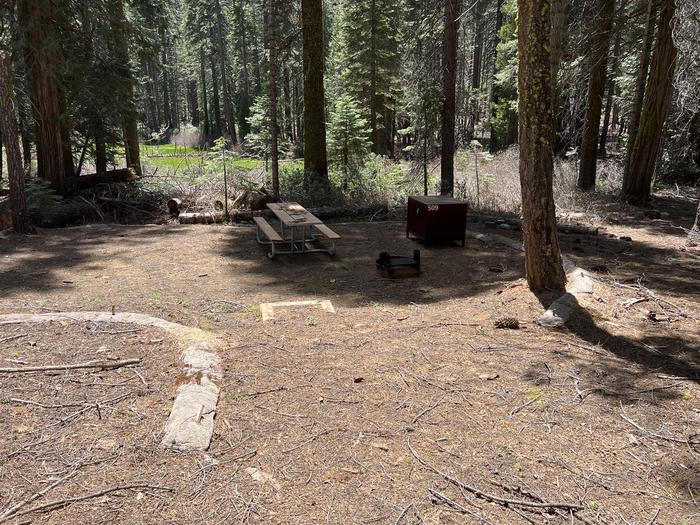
(293,214)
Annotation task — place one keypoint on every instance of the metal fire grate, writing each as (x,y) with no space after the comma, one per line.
(399,266)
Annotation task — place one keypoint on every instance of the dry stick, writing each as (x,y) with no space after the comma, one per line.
(13,510)
(518,409)
(103,366)
(491,497)
(42,405)
(453,504)
(431,407)
(539,498)
(46,507)
(654,434)
(306,442)
(10,338)
(403,513)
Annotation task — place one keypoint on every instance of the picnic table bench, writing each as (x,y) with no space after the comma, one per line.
(300,231)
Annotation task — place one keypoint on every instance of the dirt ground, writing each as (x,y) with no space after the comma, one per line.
(359,416)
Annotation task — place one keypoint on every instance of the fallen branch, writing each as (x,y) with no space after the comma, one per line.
(491,497)
(100,365)
(12,511)
(10,338)
(52,505)
(518,409)
(428,409)
(636,425)
(403,513)
(453,504)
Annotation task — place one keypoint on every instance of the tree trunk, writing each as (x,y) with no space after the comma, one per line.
(26,147)
(694,233)
(119,26)
(217,128)
(495,90)
(8,127)
(559,40)
(449,77)
(543,264)
(226,91)
(596,90)
(315,160)
(36,21)
(244,96)
(636,186)
(100,147)
(274,131)
(193,103)
(642,74)
(205,106)
(612,78)
(476,68)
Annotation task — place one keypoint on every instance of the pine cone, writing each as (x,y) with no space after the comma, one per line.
(507,322)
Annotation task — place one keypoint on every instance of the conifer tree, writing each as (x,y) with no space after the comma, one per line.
(368,52)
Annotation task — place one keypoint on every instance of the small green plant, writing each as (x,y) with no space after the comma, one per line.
(534,393)
(503,450)
(311,321)
(156,296)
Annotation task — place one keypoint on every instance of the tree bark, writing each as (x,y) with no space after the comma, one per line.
(217,128)
(21,222)
(274,131)
(495,90)
(596,90)
(205,107)
(449,77)
(543,263)
(642,75)
(559,40)
(119,25)
(477,61)
(36,20)
(193,102)
(100,146)
(315,159)
(636,186)
(226,90)
(612,86)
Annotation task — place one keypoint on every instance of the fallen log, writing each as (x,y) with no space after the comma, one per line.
(201,218)
(108,177)
(174,206)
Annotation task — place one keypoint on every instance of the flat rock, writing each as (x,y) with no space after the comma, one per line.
(191,422)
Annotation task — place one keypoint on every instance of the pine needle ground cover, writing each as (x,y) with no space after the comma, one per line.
(348,417)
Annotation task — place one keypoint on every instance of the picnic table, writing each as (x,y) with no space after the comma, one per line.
(300,231)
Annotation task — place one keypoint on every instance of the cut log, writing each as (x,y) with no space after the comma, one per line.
(201,218)
(108,177)
(174,206)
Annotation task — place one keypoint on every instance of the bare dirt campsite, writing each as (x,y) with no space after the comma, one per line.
(407,401)
(349,262)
